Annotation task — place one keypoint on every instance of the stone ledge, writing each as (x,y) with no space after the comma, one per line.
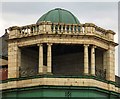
(61,82)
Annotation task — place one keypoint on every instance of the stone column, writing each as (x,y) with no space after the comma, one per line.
(40,58)
(19,60)
(49,58)
(86,69)
(93,60)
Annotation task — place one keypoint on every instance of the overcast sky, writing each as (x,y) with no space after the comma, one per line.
(103,14)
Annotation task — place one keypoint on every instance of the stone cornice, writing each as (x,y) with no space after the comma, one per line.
(111,32)
(63,87)
(64,36)
(74,80)
(13,28)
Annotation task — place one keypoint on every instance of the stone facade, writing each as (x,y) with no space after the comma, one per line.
(98,49)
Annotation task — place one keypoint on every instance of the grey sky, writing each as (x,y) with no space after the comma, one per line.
(99,13)
(60,0)
(103,14)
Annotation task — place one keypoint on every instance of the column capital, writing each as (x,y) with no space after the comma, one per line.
(94,46)
(49,44)
(40,44)
(86,45)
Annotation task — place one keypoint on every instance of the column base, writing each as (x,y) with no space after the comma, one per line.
(86,74)
(92,74)
(40,73)
(49,73)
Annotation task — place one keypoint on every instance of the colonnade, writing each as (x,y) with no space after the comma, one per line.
(49,59)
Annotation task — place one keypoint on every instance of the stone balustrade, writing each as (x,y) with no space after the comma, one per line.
(59,28)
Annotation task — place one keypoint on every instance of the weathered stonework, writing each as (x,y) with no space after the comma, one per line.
(13,53)
(60,82)
(40,40)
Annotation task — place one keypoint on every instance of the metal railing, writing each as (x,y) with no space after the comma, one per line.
(101,73)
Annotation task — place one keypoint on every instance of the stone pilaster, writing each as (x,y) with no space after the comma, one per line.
(93,60)
(13,60)
(40,58)
(110,69)
(86,69)
(48,27)
(14,32)
(110,34)
(49,58)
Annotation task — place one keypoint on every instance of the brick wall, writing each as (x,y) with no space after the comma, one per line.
(3,73)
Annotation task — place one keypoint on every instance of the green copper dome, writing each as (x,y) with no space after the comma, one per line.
(59,16)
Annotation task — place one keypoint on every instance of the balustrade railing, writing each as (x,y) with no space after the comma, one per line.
(101,31)
(57,28)
(101,73)
(24,72)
